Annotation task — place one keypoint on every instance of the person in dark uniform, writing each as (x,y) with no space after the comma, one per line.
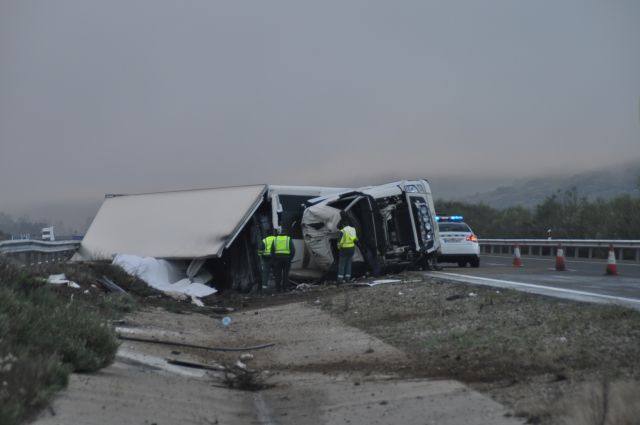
(282,254)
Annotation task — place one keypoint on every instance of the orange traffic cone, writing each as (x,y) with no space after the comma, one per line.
(517,261)
(560,266)
(612,268)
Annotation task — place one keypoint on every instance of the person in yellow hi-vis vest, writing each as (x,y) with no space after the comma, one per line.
(346,248)
(266,261)
(282,253)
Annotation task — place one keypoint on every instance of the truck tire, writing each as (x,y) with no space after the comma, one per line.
(475,262)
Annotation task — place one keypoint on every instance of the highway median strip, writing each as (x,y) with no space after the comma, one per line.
(534,288)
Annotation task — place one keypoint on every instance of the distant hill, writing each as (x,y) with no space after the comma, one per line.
(604,183)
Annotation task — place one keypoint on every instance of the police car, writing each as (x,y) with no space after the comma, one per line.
(458,243)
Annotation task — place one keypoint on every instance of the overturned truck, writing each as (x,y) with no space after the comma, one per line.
(395,224)
(219,229)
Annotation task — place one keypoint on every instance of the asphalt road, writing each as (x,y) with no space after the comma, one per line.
(583,280)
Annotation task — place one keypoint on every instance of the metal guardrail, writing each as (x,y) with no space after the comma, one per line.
(33,251)
(576,248)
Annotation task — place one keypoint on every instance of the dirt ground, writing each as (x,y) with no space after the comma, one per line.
(415,351)
(320,371)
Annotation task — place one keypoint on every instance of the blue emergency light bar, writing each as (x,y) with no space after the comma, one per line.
(449,218)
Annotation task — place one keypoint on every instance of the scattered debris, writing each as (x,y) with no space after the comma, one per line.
(61,279)
(377,282)
(197,301)
(454,297)
(414,281)
(473,294)
(226,321)
(383,281)
(242,378)
(110,285)
(303,287)
(246,357)
(217,309)
(215,366)
(202,347)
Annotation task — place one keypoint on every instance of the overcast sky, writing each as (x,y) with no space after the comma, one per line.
(128,96)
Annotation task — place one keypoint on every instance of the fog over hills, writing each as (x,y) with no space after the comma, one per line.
(75,215)
(602,183)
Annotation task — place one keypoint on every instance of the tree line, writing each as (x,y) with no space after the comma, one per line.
(567,214)
(23,225)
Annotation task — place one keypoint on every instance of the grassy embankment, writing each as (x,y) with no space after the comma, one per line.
(550,360)
(48,332)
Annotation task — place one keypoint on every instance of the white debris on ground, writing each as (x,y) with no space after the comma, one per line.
(168,277)
(304,287)
(246,357)
(61,279)
(197,301)
(379,282)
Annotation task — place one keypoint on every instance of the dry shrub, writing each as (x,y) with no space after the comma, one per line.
(241,378)
(617,403)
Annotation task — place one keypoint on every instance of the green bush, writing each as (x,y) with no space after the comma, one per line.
(116,304)
(27,382)
(44,336)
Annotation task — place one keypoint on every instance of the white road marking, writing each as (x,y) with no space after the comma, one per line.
(541,289)
(553,269)
(567,259)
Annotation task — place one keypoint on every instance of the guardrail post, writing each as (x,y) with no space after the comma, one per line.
(637,254)
(590,253)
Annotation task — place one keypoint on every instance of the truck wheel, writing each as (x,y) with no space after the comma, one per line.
(462,263)
(475,262)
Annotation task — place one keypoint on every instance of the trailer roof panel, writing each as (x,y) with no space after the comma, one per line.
(183,224)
